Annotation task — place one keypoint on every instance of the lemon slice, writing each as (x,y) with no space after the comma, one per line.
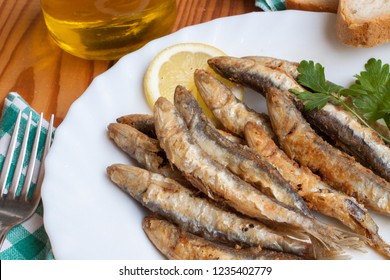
(175,65)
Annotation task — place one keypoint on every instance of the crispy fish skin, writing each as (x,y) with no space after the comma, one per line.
(348,133)
(145,150)
(145,124)
(344,128)
(230,111)
(338,169)
(290,67)
(177,244)
(233,138)
(198,215)
(220,184)
(319,196)
(239,159)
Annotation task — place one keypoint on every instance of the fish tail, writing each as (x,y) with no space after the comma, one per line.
(329,242)
(324,253)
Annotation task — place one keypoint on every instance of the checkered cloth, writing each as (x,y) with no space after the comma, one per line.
(271,5)
(29,240)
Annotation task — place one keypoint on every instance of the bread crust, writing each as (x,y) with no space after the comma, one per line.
(359,33)
(315,6)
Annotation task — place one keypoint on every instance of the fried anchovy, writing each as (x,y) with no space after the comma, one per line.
(333,120)
(199,215)
(239,159)
(220,184)
(177,244)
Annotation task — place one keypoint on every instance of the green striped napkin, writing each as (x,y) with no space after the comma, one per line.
(29,240)
(271,5)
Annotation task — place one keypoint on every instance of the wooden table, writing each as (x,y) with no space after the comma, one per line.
(51,79)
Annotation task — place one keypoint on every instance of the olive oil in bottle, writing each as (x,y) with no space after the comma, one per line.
(107,29)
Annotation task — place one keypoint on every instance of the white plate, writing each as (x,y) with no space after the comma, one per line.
(86,216)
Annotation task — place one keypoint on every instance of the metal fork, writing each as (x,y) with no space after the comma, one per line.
(16,206)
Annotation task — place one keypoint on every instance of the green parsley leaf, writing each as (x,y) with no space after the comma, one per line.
(312,101)
(375,77)
(371,90)
(370,106)
(312,76)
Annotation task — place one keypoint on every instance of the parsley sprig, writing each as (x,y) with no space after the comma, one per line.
(370,94)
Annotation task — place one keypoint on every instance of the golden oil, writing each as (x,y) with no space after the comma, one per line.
(107,29)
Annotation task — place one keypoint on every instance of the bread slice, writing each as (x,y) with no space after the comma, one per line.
(363,23)
(313,5)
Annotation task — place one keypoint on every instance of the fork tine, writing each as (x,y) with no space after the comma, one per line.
(37,191)
(19,165)
(33,159)
(9,156)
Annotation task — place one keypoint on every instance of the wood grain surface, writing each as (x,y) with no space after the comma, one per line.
(51,79)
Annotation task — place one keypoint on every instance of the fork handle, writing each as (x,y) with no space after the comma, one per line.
(3,233)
